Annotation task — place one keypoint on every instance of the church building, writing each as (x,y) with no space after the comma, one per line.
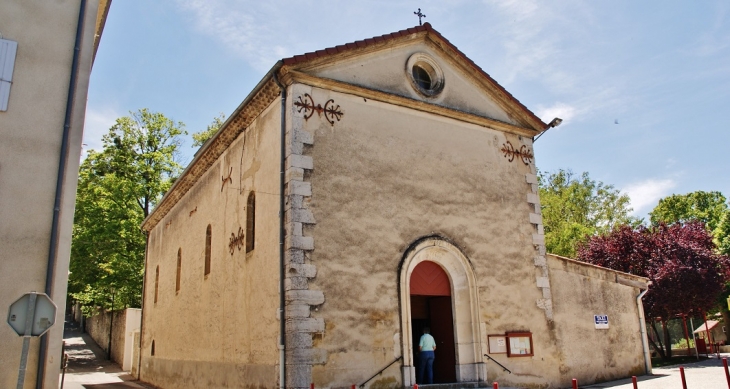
(359,194)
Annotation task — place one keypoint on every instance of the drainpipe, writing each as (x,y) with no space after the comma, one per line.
(282,300)
(642,326)
(141,314)
(53,247)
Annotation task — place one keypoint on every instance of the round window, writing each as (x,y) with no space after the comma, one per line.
(426,76)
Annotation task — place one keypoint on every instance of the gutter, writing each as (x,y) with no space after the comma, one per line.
(282,232)
(53,247)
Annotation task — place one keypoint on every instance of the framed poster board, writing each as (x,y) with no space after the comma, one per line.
(519,344)
(497,344)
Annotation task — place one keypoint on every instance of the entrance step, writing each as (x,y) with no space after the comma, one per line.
(463,385)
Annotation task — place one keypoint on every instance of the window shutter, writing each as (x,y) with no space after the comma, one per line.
(7,62)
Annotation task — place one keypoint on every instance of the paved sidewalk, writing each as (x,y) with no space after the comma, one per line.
(88,367)
(707,374)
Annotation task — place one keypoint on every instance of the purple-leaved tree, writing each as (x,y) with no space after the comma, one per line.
(686,272)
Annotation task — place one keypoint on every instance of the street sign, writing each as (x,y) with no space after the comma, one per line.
(601,322)
(43,318)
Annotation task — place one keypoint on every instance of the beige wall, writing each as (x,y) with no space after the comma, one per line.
(219,330)
(589,354)
(386,176)
(30,142)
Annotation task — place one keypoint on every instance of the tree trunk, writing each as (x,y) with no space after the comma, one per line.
(667,340)
(658,348)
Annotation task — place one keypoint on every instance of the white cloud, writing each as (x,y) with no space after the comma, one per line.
(647,193)
(252,31)
(557,110)
(96,124)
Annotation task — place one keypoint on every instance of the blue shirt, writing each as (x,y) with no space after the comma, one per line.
(427,343)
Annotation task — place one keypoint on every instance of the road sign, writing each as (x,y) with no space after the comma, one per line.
(44,314)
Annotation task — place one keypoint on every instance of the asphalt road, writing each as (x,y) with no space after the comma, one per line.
(707,374)
(88,367)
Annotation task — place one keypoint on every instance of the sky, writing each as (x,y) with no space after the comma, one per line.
(643,87)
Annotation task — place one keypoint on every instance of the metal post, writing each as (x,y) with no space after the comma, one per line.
(29,317)
(681,373)
(633,381)
(495,385)
(575,383)
(727,374)
(694,339)
(686,333)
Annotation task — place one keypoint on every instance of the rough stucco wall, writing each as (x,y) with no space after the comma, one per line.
(30,142)
(386,71)
(386,176)
(219,330)
(590,355)
(98,327)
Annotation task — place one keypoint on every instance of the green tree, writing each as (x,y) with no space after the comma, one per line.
(117,189)
(577,207)
(199,138)
(710,208)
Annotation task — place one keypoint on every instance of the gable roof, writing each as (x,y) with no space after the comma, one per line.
(428,30)
(267,90)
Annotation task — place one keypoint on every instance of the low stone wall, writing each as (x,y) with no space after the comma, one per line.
(123,326)
(589,353)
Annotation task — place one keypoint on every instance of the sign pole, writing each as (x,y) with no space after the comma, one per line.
(26,339)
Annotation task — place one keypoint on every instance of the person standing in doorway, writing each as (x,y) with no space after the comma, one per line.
(427,346)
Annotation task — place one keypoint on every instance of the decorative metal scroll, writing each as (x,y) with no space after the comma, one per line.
(524,153)
(227,179)
(309,107)
(236,241)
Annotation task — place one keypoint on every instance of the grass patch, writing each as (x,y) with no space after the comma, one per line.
(658,362)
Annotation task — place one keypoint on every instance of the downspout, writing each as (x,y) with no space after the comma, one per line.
(642,326)
(53,247)
(282,300)
(141,315)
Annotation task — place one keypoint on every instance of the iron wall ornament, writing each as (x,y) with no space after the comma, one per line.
(227,179)
(307,104)
(236,241)
(510,152)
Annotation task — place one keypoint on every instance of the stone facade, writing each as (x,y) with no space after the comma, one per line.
(381,174)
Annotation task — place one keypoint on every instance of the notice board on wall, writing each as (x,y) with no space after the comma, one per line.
(497,344)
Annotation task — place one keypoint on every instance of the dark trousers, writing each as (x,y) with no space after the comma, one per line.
(426,366)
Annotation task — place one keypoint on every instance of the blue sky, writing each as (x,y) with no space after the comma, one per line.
(643,86)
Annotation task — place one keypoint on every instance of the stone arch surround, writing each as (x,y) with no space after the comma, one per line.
(469,356)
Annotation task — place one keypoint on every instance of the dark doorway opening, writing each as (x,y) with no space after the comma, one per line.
(431,307)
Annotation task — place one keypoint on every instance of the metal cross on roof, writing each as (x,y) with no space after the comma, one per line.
(420,15)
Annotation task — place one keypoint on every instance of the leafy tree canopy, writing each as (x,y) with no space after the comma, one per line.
(576,207)
(710,208)
(117,189)
(199,138)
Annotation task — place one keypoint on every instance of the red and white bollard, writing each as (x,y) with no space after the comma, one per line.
(495,385)
(575,383)
(633,381)
(311,386)
(727,374)
(415,386)
(681,373)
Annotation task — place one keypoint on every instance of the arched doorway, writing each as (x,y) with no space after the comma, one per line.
(430,291)
(468,361)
